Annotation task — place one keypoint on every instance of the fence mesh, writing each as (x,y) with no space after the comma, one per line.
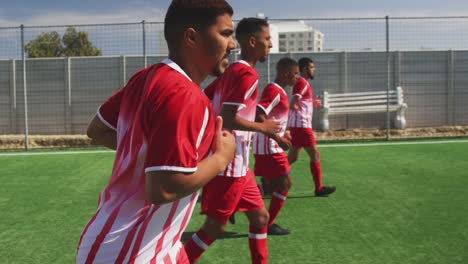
(379,78)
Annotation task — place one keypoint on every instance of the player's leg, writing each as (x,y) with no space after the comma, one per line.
(219,201)
(258,222)
(252,204)
(316,171)
(293,154)
(280,186)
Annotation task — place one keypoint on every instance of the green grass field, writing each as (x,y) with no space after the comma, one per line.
(394,204)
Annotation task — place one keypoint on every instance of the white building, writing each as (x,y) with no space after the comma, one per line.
(295,36)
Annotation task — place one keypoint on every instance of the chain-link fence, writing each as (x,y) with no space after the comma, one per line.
(378,78)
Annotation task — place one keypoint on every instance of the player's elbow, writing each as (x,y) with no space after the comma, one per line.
(160,196)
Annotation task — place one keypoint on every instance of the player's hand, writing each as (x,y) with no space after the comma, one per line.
(316,102)
(294,107)
(224,143)
(284,143)
(271,127)
(287,135)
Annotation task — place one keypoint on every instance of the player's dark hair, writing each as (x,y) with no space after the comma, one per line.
(249,27)
(197,14)
(285,64)
(304,62)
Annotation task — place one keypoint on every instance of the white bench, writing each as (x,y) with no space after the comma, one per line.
(367,102)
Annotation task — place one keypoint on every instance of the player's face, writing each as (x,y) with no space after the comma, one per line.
(263,44)
(218,41)
(292,76)
(311,70)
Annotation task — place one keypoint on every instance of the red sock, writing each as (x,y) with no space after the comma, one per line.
(197,244)
(316,174)
(258,245)
(277,201)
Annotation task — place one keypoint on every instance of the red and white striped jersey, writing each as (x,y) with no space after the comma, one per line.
(237,86)
(163,123)
(302,117)
(274,102)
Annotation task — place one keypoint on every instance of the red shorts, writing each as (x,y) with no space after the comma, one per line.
(223,196)
(271,166)
(302,137)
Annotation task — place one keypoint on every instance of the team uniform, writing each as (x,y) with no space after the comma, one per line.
(235,189)
(300,120)
(270,159)
(151,136)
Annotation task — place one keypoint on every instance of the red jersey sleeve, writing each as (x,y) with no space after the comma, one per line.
(108,113)
(300,88)
(270,99)
(175,134)
(243,89)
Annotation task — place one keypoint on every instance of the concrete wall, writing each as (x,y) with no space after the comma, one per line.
(63,94)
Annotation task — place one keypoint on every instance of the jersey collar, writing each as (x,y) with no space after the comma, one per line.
(243,62)
(281,88)
(176,67)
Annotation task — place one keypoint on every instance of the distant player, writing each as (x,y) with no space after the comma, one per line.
(234,97)
(300,125)
(162,128)
(270,160)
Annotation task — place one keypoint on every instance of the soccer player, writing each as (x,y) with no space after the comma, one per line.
(234,97)
(162,128)
(270,160)
(300,125)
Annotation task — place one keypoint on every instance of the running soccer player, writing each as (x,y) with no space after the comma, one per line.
(162,128)
(300,125)
(270,160)
(234,97)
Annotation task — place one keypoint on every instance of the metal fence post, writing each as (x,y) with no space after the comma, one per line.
(26,126)
(13,111)
(387,28)
(450,93)
(68,87)
(143,23)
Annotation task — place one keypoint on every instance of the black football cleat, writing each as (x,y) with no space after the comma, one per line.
(325,191)
(232,218)
(277,230)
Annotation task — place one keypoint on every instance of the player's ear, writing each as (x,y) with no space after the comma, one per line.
(191,37)
(252,41)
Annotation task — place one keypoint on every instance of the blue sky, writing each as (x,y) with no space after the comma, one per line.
(48,12)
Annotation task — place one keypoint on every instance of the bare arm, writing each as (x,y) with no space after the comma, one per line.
(167,186)
(293,102)
(233,121)
(101,133)
(283,142)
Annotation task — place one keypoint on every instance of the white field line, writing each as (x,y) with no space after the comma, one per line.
(320,146)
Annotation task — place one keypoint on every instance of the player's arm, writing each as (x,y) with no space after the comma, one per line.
(101,133)
(232,121)
(283,142)
(167,186)
(293,102)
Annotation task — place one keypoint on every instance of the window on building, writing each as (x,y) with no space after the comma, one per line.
(291,43)
(310,48)
(282,36)
(292,35)
(283,49)
(301,35)
(300,49)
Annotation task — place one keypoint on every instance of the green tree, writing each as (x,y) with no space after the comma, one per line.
(77,44)
(45,45)
(73,43)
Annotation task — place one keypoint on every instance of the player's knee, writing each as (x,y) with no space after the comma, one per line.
(261,219)
(213,228)
(292,159)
